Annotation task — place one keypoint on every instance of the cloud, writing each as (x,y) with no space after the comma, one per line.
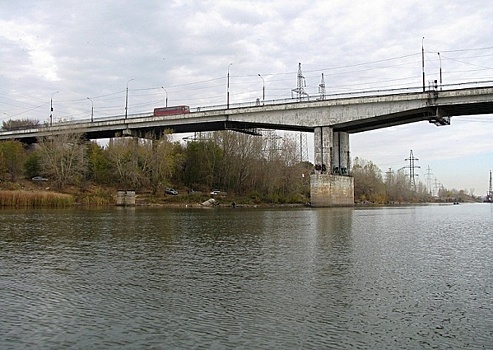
(31,41)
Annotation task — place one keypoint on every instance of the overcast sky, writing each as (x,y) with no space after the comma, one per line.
(182,50)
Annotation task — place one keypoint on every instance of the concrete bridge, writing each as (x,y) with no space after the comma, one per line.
(331,120)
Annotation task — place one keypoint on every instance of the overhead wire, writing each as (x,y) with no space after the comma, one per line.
(276,89)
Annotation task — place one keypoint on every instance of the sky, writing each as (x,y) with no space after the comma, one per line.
(83,55)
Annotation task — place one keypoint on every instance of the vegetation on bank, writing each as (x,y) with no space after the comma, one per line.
(250,170)
(371,186)
(30,199)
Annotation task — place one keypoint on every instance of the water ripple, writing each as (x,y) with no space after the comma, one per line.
(243,279)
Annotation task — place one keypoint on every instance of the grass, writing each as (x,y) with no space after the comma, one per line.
(35,199)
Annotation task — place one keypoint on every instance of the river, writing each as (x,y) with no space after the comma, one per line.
(413,277)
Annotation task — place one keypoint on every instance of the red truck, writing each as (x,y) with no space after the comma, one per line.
(171,110)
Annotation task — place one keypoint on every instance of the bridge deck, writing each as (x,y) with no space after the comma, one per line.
(350,114)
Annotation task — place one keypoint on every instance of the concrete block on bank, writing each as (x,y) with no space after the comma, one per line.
(125,198)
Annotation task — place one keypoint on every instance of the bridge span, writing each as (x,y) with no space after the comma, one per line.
(331,120)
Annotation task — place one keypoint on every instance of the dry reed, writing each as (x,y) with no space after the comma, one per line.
(23,199)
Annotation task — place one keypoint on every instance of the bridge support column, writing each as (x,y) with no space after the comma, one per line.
(340,154)
(330,185)
(323,138)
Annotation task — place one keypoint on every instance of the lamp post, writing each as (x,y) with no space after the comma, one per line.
(423,61)
(126,99)
(227,97)
(263,88)
(162,87)
(92,110)
(440,58)
(51,107)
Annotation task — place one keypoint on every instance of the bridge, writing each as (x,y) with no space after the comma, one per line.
(331,120)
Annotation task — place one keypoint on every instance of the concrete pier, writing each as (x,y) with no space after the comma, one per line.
(328,190)
(125,198)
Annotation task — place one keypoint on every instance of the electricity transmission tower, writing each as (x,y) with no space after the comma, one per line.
(300,85)
(303,146)
(389,176)
(429,176)
(412,174)
(300,94)
(489,195)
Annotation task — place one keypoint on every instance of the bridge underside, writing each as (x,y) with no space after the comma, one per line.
(243,127)
(438,115)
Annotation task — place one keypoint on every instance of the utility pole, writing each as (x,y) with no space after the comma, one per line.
(92,109)
(423,61)
(227,92)
(51,107)
(412,166)
(126,99)
(166,91)
(440,59)
(263,88)
(321,88)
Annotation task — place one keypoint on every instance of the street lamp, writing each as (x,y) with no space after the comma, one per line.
(92,110)
(126,99)
(51,107)
(423,61)
(162,87)
(227,97)
(440,58)
(263,88)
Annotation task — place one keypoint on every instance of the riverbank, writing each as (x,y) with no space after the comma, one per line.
(25,193)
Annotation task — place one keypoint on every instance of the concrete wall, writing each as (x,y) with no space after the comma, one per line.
(331,190)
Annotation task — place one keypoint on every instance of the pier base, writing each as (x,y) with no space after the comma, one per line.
(331,190)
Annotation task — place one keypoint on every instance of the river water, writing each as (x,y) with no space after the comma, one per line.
(417,277)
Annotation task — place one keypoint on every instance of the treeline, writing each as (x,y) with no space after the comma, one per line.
(266,169)
(263,168)
(370,185)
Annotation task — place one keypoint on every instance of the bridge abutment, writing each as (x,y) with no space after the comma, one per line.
(341,160)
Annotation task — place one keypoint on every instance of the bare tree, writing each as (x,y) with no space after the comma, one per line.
(122,153)
(62,158)
(155,161)
(142,162)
